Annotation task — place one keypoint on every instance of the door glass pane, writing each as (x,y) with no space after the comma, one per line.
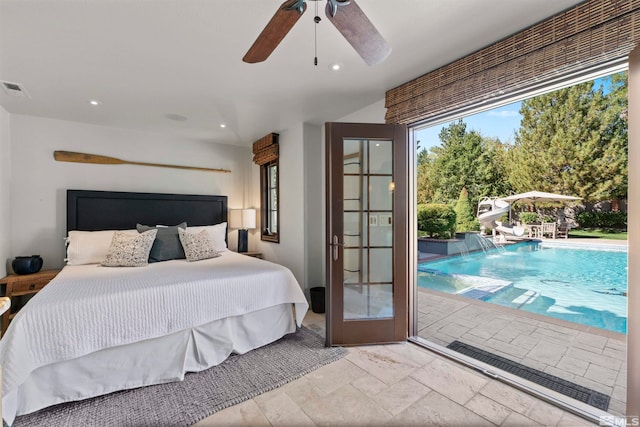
(380,193)
(352,156)
(352,265)
(352,196)
(380,230)
(381,156)
(381,261)
(368,229)
(352,229)
(368,301)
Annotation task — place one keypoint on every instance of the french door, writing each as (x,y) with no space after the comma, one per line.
(367,233)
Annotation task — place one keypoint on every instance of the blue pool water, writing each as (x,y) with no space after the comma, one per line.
(579,285)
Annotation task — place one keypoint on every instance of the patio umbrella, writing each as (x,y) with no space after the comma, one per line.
(539,197)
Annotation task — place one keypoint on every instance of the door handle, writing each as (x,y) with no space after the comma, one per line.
(336,244)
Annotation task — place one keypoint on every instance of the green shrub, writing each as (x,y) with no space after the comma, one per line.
(616,220)
(528,217)
(437,220)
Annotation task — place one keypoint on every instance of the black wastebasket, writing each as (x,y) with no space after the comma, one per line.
(317,299)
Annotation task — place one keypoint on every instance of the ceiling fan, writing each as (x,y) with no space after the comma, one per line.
(347,17)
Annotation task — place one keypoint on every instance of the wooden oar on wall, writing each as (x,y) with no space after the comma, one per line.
(70,156)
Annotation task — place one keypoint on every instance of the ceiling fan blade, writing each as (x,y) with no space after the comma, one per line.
(284,19)
(354,25)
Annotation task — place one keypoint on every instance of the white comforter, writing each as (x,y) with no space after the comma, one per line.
(89,308)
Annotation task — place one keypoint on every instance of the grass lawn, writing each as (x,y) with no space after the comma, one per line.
(598,233)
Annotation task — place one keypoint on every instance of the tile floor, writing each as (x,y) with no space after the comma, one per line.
(396,385)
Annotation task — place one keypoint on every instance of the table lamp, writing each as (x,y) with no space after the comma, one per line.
(243,220)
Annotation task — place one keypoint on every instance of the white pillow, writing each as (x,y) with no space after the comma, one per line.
(217,234)
(89,247)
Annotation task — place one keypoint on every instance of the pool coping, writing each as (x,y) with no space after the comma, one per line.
(534,316)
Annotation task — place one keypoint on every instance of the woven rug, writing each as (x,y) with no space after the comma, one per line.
(183,403)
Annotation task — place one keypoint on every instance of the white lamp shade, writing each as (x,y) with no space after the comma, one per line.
(242,218)
(248,218)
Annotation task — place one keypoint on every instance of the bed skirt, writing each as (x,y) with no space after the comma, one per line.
(152,361)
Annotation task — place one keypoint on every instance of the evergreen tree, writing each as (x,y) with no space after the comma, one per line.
(572,141)
(465,218)
(468,160)
(424,187)
(455,162)
(616,132)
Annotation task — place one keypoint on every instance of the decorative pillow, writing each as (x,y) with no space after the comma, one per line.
(89,247)
(217,234)
(198,245)
(167,244)
(128,250)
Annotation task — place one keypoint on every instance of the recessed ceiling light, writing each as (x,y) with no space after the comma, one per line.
(95,102)
(335,67)
(222,125)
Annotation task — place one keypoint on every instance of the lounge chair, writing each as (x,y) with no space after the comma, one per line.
(563,230)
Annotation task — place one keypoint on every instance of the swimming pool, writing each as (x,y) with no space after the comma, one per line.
(585,286)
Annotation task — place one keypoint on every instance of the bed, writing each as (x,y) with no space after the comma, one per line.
(94,330)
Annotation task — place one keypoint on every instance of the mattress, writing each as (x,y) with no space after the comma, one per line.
(200,311)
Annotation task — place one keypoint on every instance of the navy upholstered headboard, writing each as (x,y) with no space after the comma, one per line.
(115,210)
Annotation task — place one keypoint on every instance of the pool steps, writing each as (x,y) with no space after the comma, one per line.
(527,297)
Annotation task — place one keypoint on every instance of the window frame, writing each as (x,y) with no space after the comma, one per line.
(267,208)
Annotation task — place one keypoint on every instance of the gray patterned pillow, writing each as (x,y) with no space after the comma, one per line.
(129,250)
(197,246)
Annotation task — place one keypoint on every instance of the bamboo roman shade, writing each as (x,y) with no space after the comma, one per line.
(578,39)
(265,149)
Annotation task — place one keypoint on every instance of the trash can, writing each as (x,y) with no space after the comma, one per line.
(317,299)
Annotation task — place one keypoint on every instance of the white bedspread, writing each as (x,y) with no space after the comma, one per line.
(89,308)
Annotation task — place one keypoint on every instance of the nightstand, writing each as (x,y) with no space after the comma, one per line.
(19,288)
(254,254)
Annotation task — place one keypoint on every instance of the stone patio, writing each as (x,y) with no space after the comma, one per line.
(591,357)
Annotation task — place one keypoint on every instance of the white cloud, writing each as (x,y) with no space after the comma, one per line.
(503,114)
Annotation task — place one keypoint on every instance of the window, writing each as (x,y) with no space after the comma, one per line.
(265,154)
(269,201)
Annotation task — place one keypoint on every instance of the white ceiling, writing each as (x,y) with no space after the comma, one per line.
(146,59)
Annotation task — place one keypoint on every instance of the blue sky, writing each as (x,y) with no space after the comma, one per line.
(497,123)
(500,123)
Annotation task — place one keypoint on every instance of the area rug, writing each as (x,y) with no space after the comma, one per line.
(183,403)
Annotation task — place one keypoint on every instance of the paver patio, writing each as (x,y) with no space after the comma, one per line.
(590,357)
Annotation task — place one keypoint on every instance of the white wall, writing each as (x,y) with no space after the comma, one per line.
(314,206)
(5,193)
(39,183)
(373,113)
(291,249)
